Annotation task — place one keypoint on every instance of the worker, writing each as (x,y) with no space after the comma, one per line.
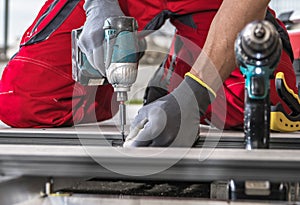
(37,89)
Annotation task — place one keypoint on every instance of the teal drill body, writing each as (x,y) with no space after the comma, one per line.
(257,80)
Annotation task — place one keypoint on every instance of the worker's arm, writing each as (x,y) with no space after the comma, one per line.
(218,52)
(173,120)
(91,38)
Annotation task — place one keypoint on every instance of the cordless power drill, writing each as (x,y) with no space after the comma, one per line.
(121,57)
(258,50)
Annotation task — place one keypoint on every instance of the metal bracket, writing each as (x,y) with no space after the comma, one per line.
(220,190)
(292,191)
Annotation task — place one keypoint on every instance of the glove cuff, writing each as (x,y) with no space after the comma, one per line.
(212,92)
(203,93)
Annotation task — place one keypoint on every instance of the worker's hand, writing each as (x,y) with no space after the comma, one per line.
(172,120)
(92,36)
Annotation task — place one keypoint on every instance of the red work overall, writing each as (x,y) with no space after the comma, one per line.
(37,90)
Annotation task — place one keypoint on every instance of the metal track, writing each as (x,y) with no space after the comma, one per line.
(87,151)
(193,165)
(89,134)
(235,139)
(106,134)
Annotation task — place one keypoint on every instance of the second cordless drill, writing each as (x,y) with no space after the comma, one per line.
(258,50)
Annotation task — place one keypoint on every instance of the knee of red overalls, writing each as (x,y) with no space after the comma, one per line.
(37,89)
(35,94)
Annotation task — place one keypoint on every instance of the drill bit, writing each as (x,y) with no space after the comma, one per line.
(122,109)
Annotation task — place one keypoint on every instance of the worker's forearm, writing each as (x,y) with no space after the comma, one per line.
(218,55)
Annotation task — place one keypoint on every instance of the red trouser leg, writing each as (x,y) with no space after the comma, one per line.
(37,90)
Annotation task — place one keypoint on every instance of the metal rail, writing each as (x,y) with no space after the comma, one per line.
(92,151)
(105,134)
(175,164)
(86,151)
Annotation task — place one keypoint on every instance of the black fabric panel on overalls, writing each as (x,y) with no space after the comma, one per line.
(46,13)
(55,23)
(158,85)
(283,35)
(159,20)
(187,20)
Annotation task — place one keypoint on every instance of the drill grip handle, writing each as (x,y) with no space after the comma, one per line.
(256,122)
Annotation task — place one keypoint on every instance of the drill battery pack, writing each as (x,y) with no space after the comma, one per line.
(82,70)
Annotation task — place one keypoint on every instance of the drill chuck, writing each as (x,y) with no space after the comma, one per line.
(259,45)
(258,50)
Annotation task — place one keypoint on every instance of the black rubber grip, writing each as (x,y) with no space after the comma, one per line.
(257,122)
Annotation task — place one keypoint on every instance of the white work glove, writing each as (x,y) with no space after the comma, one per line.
(172,120)
(92,35)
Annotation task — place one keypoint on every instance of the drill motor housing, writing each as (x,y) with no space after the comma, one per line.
(258,50)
